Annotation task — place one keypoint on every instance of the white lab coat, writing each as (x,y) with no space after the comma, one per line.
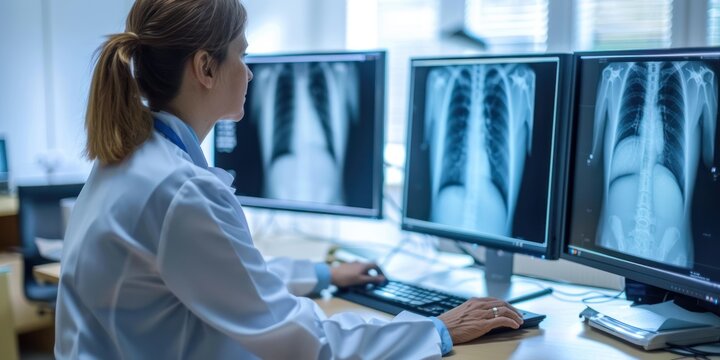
(159,263)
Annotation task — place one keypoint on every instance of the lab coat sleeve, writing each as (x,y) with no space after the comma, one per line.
(207,259)
(302,277)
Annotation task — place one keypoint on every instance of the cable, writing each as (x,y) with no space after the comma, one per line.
(686,350)
(392,202)
(684,354)
(557,292)
(395,206)
(466,252)
(393,166)
(394,250)
(608,298)
(263,228)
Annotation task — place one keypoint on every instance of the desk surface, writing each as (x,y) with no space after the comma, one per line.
(48,273)
(8,205)
(562,335)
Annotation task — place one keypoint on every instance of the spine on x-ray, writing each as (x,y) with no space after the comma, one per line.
(318,89)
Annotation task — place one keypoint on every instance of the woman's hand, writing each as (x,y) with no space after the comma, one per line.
(356,273)
(477,316)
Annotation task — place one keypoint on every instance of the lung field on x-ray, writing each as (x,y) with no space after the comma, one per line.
(455,149)
(304,113)
(478,121)
(284,111)
(496,113)
(654,123)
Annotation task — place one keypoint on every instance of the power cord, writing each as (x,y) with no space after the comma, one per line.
(465,251)
(607,298)
(691,351)
(387,197)
(264,228)
(393,166)
(563,295)
(395,206)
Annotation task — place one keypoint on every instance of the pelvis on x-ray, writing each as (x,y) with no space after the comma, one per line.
(305,111)
(479,121)
(653,122)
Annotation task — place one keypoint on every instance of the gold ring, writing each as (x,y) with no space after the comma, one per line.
(495,311)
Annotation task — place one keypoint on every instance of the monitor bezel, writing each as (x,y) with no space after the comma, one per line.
(550,249)
(660,278)
(374,212)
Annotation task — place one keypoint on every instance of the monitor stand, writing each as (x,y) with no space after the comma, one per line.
(496,279)
(498,282)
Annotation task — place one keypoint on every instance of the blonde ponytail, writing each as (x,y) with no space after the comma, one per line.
(117,122)
(147,62)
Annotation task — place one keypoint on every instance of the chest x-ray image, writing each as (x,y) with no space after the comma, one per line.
(479,121)
(654,123)
(304,112)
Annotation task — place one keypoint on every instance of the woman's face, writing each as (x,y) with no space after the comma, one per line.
(233,79)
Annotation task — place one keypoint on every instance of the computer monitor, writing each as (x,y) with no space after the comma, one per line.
(312,136)
(4,168)
(643,185)
(485,145)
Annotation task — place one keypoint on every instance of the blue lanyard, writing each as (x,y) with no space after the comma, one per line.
(169,134)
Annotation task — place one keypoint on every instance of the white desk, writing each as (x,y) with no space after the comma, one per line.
(562,335)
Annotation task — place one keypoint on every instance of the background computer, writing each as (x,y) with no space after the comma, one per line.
(312,136)
(484,164)
(643,181)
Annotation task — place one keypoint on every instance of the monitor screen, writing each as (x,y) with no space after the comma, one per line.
(312,135)
(483,142)
(644,179)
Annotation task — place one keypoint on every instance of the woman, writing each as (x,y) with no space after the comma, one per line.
(159,262)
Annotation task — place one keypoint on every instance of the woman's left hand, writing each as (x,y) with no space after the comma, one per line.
(356,273)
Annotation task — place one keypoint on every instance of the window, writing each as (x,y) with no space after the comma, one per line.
(622,24)
(406,28)
(509,25)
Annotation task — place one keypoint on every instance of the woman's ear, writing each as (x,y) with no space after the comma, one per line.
(202,68)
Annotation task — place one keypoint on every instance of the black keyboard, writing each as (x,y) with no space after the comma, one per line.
(395,297)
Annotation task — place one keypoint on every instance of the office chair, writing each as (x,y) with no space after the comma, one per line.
(39,215)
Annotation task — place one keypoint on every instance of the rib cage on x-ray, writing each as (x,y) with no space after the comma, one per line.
(304,113)
(479,122)
(656,118)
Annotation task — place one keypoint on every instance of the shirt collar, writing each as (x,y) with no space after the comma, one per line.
(192,143)
(186,134)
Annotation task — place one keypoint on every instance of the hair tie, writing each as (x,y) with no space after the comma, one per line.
(133,35)
(127,44)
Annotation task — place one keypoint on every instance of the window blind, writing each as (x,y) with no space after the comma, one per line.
(509,25)
(623,24)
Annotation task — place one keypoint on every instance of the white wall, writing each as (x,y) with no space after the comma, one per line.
(46,71)
(77,28)
(22,91)
(295,26)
